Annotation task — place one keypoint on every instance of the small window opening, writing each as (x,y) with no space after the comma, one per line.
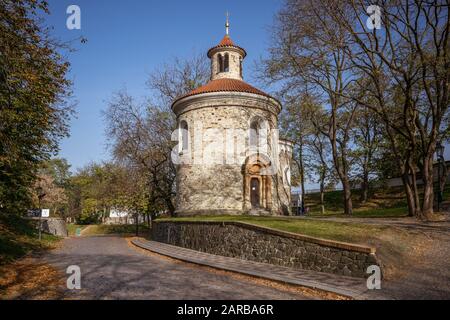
(227,63)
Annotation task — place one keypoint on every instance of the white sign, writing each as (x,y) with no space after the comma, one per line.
(117,214)
(45,213)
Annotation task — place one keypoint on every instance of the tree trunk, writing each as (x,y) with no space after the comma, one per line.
(409,196)
(301,169)
(348,205)
(340,164)
(411,191)
(322,191)
(170,206)
(365,184)
(428,192)
(152,218)
(136,221)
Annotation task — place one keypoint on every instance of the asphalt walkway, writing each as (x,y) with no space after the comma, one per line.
(112,269)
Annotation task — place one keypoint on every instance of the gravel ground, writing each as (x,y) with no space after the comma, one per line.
(111,269)
(427,276)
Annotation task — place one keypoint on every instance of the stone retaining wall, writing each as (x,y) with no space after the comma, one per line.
(55,226)
(255,243)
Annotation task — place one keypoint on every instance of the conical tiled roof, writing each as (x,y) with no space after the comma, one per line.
(224,85)
(227,42)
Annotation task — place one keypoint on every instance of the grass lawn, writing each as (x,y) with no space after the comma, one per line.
(125,229)
(72,228)
(339,231)
(395,212)
(19,237)
(395,246)
(383,203)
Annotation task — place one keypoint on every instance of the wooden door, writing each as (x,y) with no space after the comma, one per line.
(254,192)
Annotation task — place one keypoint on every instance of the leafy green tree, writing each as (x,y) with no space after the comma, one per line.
(34,112)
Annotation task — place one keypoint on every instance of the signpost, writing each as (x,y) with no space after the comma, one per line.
(45,213)
(39,213)
(33,213)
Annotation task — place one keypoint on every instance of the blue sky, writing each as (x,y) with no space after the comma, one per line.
(129,39)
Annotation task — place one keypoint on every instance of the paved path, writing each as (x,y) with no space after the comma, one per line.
(111,269)
(347,286)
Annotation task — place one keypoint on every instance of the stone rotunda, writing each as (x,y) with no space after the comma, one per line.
(229,158)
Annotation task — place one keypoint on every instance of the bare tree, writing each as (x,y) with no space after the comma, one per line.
(308,53)
(408,65)
(320,147)
(295,125)
(367,136)
(140,136)
(178,77)
(400,73)
(140,133)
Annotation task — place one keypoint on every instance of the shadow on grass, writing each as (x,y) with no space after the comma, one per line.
(19,237)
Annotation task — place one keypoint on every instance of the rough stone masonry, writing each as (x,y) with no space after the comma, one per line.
(229,158)
(260,244)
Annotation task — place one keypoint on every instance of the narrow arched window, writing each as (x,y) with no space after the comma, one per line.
(184,136)
(220,63)
(254,134)
(287,176)
(227,63)
(259,135)
(240,67)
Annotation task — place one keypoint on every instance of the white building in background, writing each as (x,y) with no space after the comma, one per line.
(114,213)
(119,217)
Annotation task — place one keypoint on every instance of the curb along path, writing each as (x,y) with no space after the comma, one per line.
(347,286)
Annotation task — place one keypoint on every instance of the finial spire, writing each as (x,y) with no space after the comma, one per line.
(227,24)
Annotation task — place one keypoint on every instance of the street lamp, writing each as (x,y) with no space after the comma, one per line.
(41,195)
(440,157)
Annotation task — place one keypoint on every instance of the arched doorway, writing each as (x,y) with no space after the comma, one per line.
(257,185)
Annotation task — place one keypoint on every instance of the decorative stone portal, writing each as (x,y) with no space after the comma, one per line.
(257,185)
